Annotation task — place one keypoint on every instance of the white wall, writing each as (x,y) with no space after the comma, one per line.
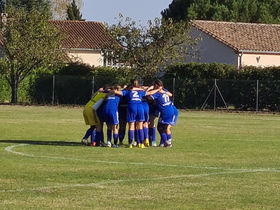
(90,57)
(261,60)
(210,50)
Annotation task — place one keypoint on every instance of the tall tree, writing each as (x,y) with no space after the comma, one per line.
(30,44)
(73,12)
(147,48)
(59,8)
(253,11)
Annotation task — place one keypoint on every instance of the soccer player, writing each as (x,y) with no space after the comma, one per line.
(111,117)
(90,116)
(153,114)
(168,114)
(122,109)
(135,111)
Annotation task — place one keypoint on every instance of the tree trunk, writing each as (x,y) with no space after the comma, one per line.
(14,87)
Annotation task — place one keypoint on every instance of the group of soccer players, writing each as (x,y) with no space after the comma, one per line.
(133,105)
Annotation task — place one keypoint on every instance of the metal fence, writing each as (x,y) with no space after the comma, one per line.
(253,95)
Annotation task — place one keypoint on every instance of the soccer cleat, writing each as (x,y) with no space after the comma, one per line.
(142,146)
(154,144)
(130,146)
(109,144)
(115,145)
(134,144)
(147,143)
(84,142)
(93,144)
(168,145)
(161,145)
(139,145)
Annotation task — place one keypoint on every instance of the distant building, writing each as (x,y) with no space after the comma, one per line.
(240,44)
(84,40)
(83,43)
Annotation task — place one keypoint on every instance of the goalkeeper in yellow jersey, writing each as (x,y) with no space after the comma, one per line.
(91,117)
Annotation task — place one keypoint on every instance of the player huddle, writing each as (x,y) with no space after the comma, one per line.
(133,105)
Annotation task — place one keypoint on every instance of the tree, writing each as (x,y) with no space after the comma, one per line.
(73,12)
(30,44)
(252,11)
(59,7)
(28,5)
(147,48)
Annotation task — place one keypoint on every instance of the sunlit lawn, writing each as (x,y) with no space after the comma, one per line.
(219,161)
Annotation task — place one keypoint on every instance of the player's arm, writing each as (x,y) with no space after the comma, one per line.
(151,92)
(117,92)
(166,92)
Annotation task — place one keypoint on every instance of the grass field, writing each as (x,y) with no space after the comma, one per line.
(218,161)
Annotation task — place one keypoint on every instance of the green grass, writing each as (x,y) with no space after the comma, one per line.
(218,161)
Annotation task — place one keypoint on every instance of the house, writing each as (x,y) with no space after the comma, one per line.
(240,44)
(84,40)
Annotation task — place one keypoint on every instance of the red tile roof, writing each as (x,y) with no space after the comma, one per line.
(83,34)
(243,36)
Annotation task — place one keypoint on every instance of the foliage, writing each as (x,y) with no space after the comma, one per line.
(73,12)
(75,69)
(59,8)
(253,11)
(149,49)
(194,82)
(30,44)
(29,5)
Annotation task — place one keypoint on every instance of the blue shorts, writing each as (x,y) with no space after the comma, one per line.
(146,112)
(168,116)
(153,110)
(111,116)
(135,112)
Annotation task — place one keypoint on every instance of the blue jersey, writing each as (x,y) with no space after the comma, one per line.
(110,110)
(162,100)
(112,102)
(133,96)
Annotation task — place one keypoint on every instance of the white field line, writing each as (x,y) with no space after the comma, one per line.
(100,184)
(10,150)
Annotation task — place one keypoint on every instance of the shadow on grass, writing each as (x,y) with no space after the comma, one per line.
(55,143)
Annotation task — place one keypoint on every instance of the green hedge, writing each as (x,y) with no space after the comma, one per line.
(194,82)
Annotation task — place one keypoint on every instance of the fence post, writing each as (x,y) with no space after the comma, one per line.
(174,80)
(53,89)
(215,94)
(257,97)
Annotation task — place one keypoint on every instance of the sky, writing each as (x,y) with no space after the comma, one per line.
(138,10)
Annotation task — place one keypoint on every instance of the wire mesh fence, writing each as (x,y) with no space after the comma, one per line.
(253,95)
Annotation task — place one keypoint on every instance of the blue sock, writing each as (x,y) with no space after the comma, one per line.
(163,138)
(93,135)
(169,136)
(130,136)
(141,136)
(98,137)
(121,135)
(146,133)
(109,135)
(115,136)
(138,136)
(88,133)
(152,134)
